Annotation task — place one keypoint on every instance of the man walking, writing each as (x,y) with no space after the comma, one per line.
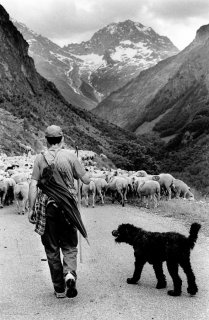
(50,219)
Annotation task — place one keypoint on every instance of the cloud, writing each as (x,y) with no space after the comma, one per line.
(66,16)
(178,10)
(65,21)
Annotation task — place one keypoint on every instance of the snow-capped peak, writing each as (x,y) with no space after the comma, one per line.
(142,28)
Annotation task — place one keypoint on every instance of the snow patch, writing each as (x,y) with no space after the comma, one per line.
(92,58)
(122,53)
(111,28)
(69,71)
(30,41)
(70,81)
(126,42)
(126,53)
(143,28)
(143,48)
(92,61)
(61,57)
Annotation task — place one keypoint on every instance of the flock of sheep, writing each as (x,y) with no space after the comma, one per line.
(114,184)
(121,184)
(15,175)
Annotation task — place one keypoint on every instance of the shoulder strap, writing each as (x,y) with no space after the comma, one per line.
(44,155)
(52,166)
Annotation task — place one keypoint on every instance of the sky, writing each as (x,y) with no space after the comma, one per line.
(67,21)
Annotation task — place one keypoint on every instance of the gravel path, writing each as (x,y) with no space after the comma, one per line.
(26,289)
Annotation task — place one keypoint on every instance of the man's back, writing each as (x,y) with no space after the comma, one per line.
(66,162)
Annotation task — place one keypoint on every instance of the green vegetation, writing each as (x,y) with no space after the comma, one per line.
(136,157)
(188,160)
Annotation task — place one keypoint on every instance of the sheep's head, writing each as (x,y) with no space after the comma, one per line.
(141,173)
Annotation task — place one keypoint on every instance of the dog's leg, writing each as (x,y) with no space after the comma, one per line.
(177,282)
(137,272)
(186,266)
(161,281)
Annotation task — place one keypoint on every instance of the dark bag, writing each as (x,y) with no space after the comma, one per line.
(52,184)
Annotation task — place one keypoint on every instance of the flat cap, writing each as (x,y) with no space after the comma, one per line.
(53,132)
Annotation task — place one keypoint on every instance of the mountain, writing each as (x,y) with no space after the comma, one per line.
(85,73)
(29,103)
(119,52)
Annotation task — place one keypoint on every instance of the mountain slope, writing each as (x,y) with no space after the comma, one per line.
(28,103)
(60,67)
(165,97)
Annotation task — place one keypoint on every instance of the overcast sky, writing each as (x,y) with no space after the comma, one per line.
(66,21)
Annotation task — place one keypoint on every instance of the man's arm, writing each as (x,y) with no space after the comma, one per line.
(80,172)
(33,190)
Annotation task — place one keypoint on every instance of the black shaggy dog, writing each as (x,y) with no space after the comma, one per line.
(156,247)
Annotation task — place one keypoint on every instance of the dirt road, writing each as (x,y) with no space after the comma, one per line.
(26,291)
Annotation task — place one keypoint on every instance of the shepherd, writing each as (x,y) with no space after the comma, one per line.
(54,210)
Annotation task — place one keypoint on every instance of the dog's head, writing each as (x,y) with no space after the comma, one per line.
(125,233)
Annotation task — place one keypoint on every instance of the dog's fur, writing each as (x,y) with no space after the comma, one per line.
(156,247)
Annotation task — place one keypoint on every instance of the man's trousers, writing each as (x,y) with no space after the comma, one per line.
(59,235)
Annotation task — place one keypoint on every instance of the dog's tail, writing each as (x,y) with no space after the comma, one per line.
(195,227)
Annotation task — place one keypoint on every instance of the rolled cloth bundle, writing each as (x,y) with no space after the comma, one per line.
(53,186)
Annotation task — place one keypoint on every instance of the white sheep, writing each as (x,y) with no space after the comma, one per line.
(150,190)
(21,191)
(101,187)
(118,185)
(88,189)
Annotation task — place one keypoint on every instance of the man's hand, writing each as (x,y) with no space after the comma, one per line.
(31,217)
(86,178)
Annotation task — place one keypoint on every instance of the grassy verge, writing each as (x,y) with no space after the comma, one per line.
(185,211)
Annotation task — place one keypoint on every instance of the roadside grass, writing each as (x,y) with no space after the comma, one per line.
(186,211)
